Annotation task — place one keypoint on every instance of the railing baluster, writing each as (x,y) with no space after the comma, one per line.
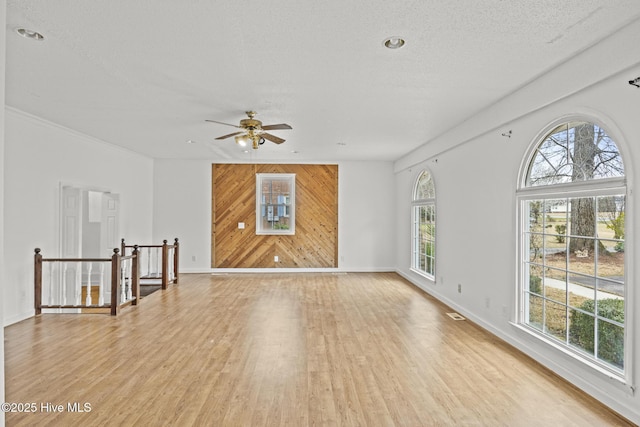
(101,288)
(148,261)
(63,284)
(123,282)
(51,280)
(158,267)
(89,271)
(78,283)
(170,260)
(128,274)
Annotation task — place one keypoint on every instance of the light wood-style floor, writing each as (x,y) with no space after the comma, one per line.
(283,349)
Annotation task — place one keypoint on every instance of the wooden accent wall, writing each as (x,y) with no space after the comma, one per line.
(315,243)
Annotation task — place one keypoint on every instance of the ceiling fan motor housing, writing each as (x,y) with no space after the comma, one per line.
(250,123)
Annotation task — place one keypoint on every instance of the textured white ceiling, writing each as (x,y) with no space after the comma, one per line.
(146,74)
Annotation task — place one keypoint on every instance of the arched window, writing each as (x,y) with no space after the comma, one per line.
(572,204)
(424,226)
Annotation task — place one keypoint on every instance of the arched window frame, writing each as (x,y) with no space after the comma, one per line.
(423,227)
(602,187)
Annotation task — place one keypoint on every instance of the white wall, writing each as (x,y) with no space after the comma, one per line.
(366,219)
(182,209)
(39,156)
(3,280)
(182,206)
(476,223)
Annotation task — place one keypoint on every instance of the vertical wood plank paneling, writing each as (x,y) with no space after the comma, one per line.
(315,243)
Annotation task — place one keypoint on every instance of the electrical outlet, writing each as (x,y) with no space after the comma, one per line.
(487,302)
(459,288)
(193,258)
(275,258)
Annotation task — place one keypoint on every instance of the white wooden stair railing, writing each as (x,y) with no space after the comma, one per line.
(59,282)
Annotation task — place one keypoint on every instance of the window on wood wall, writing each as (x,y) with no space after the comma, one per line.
(275,203)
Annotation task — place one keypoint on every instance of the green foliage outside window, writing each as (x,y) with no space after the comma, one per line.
(610,336)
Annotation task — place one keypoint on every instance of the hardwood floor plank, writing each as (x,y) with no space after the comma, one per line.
(283,350)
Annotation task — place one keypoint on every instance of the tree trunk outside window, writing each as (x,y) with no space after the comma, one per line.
(583,217)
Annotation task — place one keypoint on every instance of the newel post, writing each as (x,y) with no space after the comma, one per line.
(115,281)
(176,258)
(165,264)
(135,272)
(123,251)
(37,280)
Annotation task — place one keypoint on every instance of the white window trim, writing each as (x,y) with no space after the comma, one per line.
(600,187)
(626,376)
(292,212)
(423,202)
(413,268)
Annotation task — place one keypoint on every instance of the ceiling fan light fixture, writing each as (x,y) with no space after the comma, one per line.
(241,140)
(394,42)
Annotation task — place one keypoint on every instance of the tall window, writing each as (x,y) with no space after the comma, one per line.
(572,202)
(424,225)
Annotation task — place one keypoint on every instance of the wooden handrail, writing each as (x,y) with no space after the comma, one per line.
(76,259)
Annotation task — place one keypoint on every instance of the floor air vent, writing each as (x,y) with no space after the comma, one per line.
(455,316)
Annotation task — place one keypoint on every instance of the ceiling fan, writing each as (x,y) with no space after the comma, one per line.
(253,132)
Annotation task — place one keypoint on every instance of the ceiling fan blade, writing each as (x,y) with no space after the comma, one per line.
(230,135)
(222,123)
(277,127)
(272,138)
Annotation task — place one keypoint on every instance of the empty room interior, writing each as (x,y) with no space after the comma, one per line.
(414,213)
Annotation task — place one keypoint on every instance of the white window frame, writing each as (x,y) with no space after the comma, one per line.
(592,188)
(416,204)
(288,206)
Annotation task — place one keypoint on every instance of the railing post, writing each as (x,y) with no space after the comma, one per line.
(135,272)
(37,280)
(123,251)
(175,260)
(115,281)
(165,264)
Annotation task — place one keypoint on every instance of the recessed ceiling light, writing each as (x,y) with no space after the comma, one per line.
(29,34)
(190,141)
(394,42)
